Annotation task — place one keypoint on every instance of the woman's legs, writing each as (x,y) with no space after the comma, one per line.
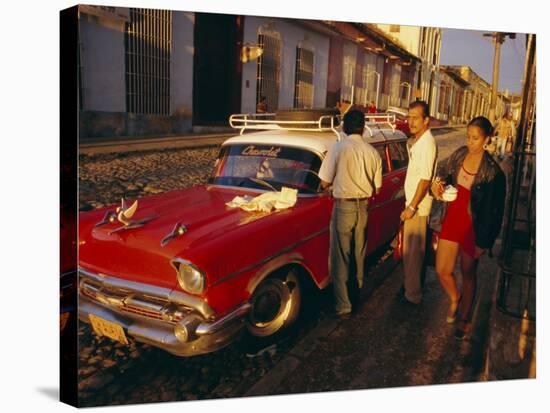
(445,260)
(469,284)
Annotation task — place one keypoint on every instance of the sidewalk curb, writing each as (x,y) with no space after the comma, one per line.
(153,144)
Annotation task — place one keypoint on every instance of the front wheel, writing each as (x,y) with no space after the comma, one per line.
(275,305)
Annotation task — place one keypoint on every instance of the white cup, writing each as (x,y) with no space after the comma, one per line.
(450,193)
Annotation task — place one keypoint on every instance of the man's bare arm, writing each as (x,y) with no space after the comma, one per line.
(325,184)
(421,191)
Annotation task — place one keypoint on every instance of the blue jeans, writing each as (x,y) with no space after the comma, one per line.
(348,242)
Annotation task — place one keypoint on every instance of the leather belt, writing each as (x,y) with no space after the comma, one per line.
(352,199)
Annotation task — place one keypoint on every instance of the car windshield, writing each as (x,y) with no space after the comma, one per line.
(267,167)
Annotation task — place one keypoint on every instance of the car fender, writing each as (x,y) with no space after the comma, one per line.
(291,258)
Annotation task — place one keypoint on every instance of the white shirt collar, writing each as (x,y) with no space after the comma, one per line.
(416,140)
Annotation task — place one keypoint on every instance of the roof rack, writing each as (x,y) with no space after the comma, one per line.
(267,121)
(378,118)
(325,123)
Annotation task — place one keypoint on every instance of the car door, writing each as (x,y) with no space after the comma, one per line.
(394,183)
(376,232)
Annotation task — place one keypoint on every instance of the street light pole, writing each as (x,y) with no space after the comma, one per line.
(408,86)
(498,39)
(377,85)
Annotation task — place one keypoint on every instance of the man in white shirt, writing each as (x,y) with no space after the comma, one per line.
(354,168)
(422,157)
(504,133)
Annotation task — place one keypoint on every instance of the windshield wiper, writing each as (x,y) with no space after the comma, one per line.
(262,182)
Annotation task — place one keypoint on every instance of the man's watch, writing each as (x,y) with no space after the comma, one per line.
(413,209)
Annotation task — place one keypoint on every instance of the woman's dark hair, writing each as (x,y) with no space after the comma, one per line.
(484,124)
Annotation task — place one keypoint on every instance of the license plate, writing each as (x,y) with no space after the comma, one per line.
(108,329)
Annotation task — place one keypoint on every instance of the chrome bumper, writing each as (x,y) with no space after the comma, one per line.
(152,315)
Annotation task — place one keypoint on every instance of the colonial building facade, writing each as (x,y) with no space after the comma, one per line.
(160,72)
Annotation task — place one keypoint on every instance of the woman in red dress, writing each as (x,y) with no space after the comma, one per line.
(472,221)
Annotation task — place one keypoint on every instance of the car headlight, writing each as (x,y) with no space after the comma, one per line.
(190,278)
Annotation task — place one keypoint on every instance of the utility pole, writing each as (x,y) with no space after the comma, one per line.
(498,39)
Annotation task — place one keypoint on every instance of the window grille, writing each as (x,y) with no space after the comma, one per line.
(395,85)
(148,44)
(367,93)
(303,90)
(268,70)
(348,72)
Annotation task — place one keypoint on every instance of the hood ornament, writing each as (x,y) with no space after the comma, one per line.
(179,229)
(124,213)
(109,216)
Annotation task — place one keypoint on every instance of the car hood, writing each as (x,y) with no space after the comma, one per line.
(212,231)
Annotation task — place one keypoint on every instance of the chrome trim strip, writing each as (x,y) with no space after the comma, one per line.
(177,297)
(267,259)
(211,328)
(132,301)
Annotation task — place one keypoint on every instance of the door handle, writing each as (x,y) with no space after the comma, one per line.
(395,180)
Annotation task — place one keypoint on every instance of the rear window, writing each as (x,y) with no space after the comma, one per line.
(398,155)
(382,152)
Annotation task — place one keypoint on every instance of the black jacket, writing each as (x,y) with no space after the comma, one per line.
(488,194)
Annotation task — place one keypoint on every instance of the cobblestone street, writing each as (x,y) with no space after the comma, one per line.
(105,178)
(110,373)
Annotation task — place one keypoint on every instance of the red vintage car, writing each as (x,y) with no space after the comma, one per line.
(185,272)
(401,121)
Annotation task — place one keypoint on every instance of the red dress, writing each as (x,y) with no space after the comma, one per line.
(457,226)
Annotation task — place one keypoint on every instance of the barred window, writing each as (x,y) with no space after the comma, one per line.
(394,85)
(367,90)
(348,72)
(443,98)
(148,43)
(303,90)
(268,70)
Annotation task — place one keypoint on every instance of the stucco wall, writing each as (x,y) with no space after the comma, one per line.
(104,84)
(408,37)
(291,36)
(181,66)
(102,60)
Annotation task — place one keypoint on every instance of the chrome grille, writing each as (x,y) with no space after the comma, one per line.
(127,301)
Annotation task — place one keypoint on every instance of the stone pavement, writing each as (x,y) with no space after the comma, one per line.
(511,352)
(400,345)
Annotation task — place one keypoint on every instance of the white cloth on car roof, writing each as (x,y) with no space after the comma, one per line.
(286,198)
